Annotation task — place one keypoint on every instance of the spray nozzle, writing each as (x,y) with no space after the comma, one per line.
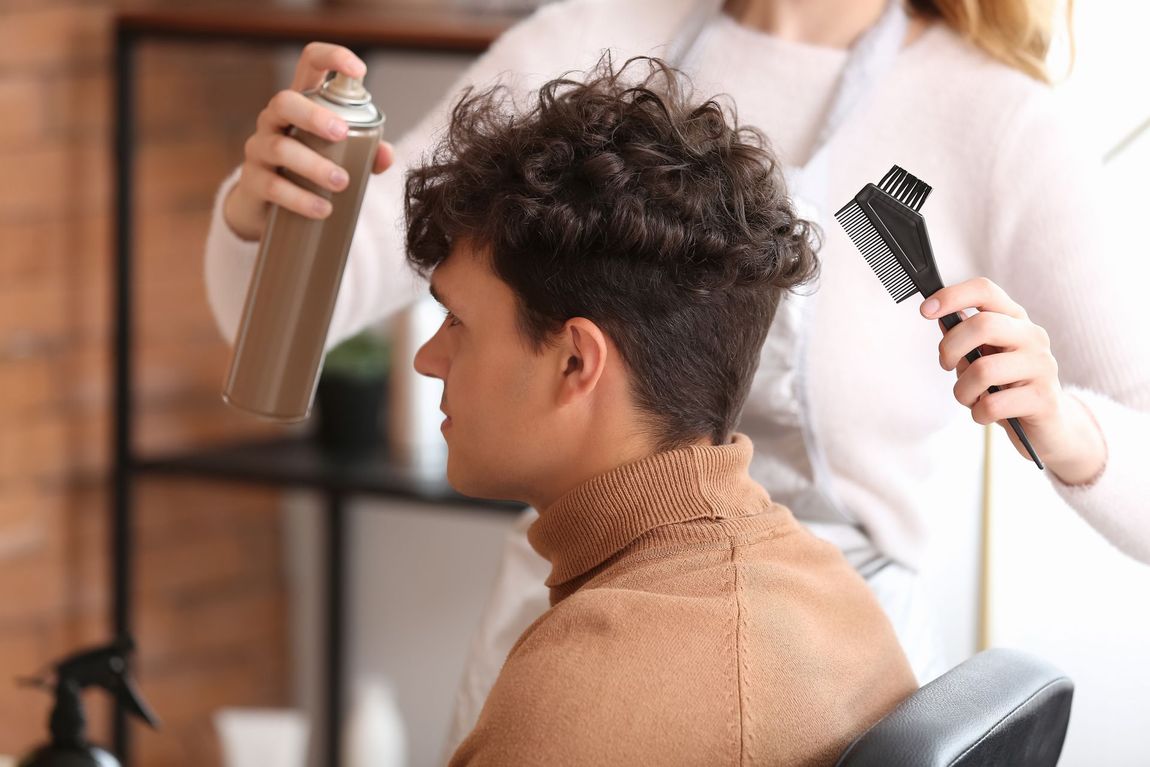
(345,90)
(105,667)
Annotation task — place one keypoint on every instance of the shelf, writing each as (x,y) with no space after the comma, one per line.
(444,29)
(302,463)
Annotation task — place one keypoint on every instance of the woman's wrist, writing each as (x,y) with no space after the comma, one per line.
(1083,457)
(240,218)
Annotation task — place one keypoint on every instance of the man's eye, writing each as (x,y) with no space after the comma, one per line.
(451,319)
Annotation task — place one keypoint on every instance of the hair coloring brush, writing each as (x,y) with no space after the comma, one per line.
(884,223)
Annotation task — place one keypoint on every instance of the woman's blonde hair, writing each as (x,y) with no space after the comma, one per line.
(1016,32)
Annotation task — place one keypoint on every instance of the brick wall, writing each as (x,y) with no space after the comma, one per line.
(211,605)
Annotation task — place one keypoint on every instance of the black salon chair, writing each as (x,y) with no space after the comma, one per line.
(1001,707)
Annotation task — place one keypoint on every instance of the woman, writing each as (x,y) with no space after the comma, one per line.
(854,420)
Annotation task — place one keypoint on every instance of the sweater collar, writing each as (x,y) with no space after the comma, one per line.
(600,517)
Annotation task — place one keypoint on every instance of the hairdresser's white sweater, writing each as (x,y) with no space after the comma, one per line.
(1013,201)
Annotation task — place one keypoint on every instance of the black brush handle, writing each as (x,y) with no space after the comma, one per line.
(950,321)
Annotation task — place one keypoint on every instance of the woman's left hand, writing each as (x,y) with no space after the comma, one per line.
(1017,359)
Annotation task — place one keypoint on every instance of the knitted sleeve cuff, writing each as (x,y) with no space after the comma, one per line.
(1115,501)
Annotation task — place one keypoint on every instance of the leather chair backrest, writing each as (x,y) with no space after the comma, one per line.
(1001,707)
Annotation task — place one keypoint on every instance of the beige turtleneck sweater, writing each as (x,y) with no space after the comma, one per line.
(693,622)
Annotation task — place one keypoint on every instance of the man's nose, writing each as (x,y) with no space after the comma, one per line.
(430,360)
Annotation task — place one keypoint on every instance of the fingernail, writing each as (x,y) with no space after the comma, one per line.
(338,128)
(930,306)
(339,178)
(322,207)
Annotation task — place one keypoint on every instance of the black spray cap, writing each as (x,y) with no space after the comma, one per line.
(105,667)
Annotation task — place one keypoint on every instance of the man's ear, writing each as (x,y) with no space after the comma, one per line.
(582,358)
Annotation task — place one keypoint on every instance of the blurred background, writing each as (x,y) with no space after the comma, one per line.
(228,599)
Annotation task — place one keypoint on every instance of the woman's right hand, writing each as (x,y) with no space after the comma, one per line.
(270,148)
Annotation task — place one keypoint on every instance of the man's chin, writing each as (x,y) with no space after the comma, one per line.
(467,481)
(476,482)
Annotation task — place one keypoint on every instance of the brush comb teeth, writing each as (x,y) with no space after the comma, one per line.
(877,253)
(910,191)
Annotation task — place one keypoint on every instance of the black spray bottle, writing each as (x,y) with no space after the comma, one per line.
(105,667)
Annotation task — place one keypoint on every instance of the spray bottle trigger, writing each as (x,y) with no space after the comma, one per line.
(130,698)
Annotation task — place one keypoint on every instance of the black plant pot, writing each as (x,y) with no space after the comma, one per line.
(349,412)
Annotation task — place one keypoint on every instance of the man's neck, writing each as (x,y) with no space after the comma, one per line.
(602,452)
(827,23)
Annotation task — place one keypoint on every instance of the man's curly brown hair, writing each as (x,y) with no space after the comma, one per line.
(619,199)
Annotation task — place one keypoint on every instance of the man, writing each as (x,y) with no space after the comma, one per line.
(610,260)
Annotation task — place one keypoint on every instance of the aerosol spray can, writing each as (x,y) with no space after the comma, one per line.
(279,347)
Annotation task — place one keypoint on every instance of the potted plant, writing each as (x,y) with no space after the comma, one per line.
(351,394)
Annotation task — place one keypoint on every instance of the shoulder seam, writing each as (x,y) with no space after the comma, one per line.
(738,649)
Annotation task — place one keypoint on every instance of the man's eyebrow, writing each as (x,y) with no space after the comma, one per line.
(435,293)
